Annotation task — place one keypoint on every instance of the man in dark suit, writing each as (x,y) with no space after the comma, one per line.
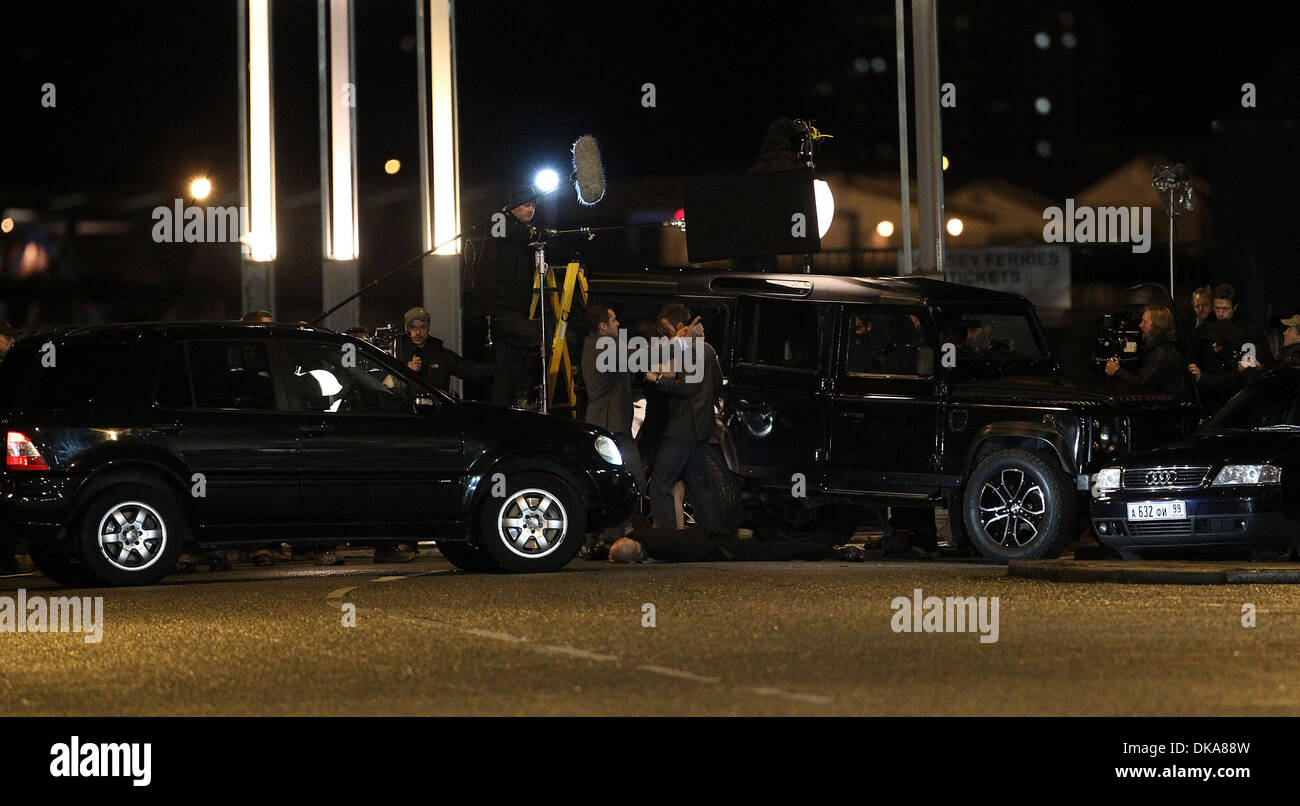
(609,395)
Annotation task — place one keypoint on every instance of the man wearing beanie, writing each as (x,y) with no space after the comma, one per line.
(506,293)
(427,357)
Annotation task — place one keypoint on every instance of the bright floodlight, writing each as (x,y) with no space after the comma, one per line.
(885,228)
(200,188)
(546,180)
(955,227)
(825,206)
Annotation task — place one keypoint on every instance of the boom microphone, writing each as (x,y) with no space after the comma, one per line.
(588,173)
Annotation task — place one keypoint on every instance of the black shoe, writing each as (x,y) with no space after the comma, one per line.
(218,562)
(599,552)
(849,554)
(397,553)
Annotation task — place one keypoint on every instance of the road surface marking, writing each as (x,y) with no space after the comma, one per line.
(341,592)
(667,672)
(552,649)
(789,695)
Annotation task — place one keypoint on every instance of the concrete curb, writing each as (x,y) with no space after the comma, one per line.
(1156,573)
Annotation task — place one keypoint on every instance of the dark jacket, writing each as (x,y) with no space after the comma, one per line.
(439,363)
(690,412)
(506,271)
(1163,370)
(609,394)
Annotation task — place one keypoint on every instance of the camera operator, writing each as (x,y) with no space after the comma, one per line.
(1164,369)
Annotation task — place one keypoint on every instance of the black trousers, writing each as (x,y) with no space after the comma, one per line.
(517,340)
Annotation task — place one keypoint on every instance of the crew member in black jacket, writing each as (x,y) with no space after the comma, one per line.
(506,286)
(1164,368)
(427,357)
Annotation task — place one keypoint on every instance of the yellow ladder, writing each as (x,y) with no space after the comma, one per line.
(575,279)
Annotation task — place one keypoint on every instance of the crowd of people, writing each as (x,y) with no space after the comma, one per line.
(1217,353)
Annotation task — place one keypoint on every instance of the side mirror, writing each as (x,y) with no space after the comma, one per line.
(925,361)
(424,405)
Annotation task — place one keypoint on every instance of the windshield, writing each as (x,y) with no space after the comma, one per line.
(991,336)
(1272,403)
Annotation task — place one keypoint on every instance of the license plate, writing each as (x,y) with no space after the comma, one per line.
(1157,511)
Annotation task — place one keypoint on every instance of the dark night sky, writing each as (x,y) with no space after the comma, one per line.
(147,95)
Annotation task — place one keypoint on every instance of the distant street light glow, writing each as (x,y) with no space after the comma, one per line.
(885,228)
(200,188)
(547,180)
(7,225)
(392,166)
(955,227)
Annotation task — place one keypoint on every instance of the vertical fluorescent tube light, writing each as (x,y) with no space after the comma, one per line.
(259,185)
(338,130)
(439,159)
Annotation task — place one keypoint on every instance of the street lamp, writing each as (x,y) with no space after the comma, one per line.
(200,188)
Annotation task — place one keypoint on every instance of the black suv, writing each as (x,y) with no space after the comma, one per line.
(899,391)
(126,443)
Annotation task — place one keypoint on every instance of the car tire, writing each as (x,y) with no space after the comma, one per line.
(154,530)
(1019,506)
(467,556)
(523,531)
(58,566)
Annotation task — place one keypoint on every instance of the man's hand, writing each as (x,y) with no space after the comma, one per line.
(1195,370)
(1112,366)
(1248,362)
(415,364)
(695,328)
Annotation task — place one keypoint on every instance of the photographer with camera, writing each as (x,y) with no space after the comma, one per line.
(1164,368)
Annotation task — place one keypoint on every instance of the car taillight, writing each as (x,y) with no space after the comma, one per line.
(21,454)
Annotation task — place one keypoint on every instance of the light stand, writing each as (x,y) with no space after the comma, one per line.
(1175,188)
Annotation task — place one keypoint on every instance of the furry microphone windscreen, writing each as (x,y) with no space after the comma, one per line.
(589,174)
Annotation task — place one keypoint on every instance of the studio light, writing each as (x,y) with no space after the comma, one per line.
(546,180)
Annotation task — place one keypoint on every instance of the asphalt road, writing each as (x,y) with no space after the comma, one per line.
(728,639)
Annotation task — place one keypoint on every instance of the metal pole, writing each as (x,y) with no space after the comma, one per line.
(539,257)
(904,171)
(929,168)
(1171,253)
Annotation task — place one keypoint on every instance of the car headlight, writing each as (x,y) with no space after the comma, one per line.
(608,450)
(1248,474)
(1106,479)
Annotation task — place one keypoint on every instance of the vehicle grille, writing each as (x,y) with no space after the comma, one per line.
(1169,478)
(1172,529)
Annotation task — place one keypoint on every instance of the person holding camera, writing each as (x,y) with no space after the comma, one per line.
(1164,368)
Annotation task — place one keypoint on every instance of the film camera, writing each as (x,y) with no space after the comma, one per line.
(1118,336)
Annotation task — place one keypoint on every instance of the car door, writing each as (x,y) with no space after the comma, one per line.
(885,411)
(777,397)
(217,408)
(371,465)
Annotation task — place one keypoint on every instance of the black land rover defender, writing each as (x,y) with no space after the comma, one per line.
(898,391)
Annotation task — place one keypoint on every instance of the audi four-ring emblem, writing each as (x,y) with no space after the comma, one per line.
(1158,478)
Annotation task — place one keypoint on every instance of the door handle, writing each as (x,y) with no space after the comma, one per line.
(319,428)
(168,428)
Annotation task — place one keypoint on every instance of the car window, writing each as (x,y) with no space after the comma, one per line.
(72,373)
(882,342)
(997,336)
(229,375)
(13,370)
(782,334)
(172,388)
(338,378)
